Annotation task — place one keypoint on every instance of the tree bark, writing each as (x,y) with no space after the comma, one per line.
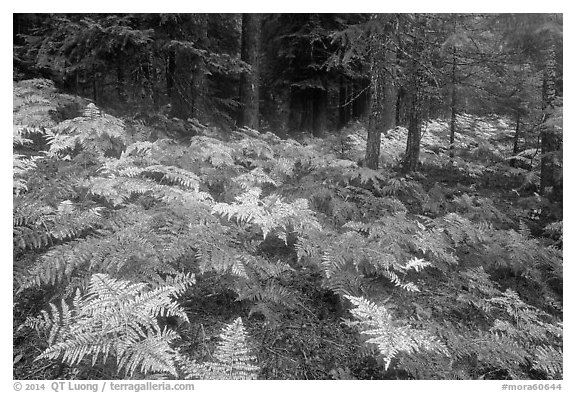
(382,94)
(414,110)
(120,80)
(249,80)
(307,116)
(320,107)
(293,110)
(342,103)
(453,105)
(199,85)
(95,95)
(515,147)
(181,90)
(354,97)
(549,176)
(170,71)
(414,132)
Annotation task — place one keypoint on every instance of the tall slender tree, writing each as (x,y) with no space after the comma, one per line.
(415,90)
(551,142)
(199,71)
(382,79)
(249,80)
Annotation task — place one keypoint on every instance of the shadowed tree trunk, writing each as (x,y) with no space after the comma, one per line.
(414,132)
(550,140)
(320,106)
(170,70)
(249,81)
(515,147)
(414,99)
(95,95)
(120,80)
(199,85)
(382,92)
(293,110)
(181,90)
(187,83)
(453,104)
(342,102)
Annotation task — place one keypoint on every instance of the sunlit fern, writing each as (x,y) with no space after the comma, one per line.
(115,318)
(232,359)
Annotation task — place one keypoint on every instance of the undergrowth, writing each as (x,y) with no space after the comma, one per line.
(243,255)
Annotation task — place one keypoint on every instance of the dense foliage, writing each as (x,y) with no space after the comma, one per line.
(171,244)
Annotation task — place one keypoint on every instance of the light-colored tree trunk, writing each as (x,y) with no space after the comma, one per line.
(249,80)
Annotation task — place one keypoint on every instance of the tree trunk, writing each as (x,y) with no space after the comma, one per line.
(249,81)
(120,80)
(414,133)
(170,71)
(181,97)
(95,95)
(199,85)
(382,95)
(307,116)
(453,105)
(550,141)
(293,110)
(414,109)
(401,107)
(151,92)
(320,109)
(354,97)
(342,103)
(515,147)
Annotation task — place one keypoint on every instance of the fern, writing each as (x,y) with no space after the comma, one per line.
(365,175)
(549,360)
(67,222)
(95,132)
(142,247)
(269,214)
(232,357)
(390,337)
(479,209)
(114,318)
(22,166)
(34,107)
(212,150)
(254,178)
(236,208)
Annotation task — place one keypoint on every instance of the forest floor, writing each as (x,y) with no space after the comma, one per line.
(307,339)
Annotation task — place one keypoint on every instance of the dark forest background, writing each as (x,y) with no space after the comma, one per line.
(306,73)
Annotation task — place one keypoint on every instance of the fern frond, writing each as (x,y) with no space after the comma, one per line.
(365,175)
(269,214)
(212,150)
(390,337)
(115,318)
(33,105)
(417,264)
(95,132)
(142,248)
(21,166)
(118,190)
(254,178)
(65,223)
(550,360)
(233,359)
